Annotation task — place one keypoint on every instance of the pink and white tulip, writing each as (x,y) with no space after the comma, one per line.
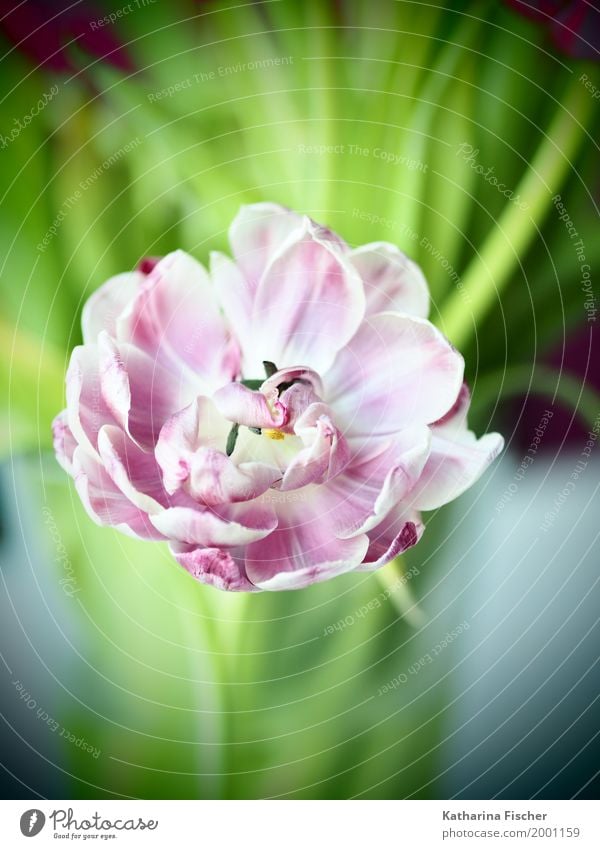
(279,420)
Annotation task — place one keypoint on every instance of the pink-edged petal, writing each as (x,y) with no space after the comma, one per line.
(87,410)
(295,400)
(455,420)
(135,472)
(236,297)
(175,319)
(105,306)
(239,404)
(139,393)
(325,453)
(301,374)
(216,479)
(64,441)
(256,233)
(213,566)
(104,501)
(308,305)
(398,532)
(178,439)
(205,472)
(195,426)
(381,473)
(457,459)
(301,551)
(398,370)
(392,281)
(227,525)
(456,462)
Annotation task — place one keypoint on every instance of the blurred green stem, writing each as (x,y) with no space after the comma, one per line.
(392,579)
(512,234)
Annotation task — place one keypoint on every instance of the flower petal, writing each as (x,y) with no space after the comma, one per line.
(213,566)
(175,319)
(256,233)
(392,281)
(398,370)
(293,374)
(105,306)
(229,525)
(381,473)
(454,465)
(247,407)
(457,459)
(87,410)
(309,303)
(205,472)
(399,531)
(325,453)
(104,501)
(138,392)
(301,551)
(215,478)
(64,441)
(195,426)
(135,472)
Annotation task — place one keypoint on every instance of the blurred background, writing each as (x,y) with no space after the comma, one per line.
(464,132)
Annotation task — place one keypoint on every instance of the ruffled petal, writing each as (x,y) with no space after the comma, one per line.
(308,305)
(204,472)
(398,370)
(176,320)
(457,459)
(64,442)
(399,531)
(301,551)
(135,472)
(215,478)
(87,411)
(256,233)
(293,374)
(213,566)
(105,306)
(392,281)
(104,501)
(236,297)
(380,474)
(199,425)
(247,407)
(225,526)
(325,453)
(138,392)
(454,465)
(295,401)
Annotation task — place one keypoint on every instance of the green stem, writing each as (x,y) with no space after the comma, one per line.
(492,268)
(391,577)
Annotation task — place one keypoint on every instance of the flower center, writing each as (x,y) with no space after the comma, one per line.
(272,433)
(255,385)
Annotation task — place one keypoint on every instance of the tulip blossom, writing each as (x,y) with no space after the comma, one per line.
(280,419)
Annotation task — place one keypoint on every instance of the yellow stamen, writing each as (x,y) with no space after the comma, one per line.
(273,434)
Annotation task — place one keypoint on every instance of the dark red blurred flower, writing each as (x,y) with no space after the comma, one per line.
(49,33)
(573,25)
(577,357)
